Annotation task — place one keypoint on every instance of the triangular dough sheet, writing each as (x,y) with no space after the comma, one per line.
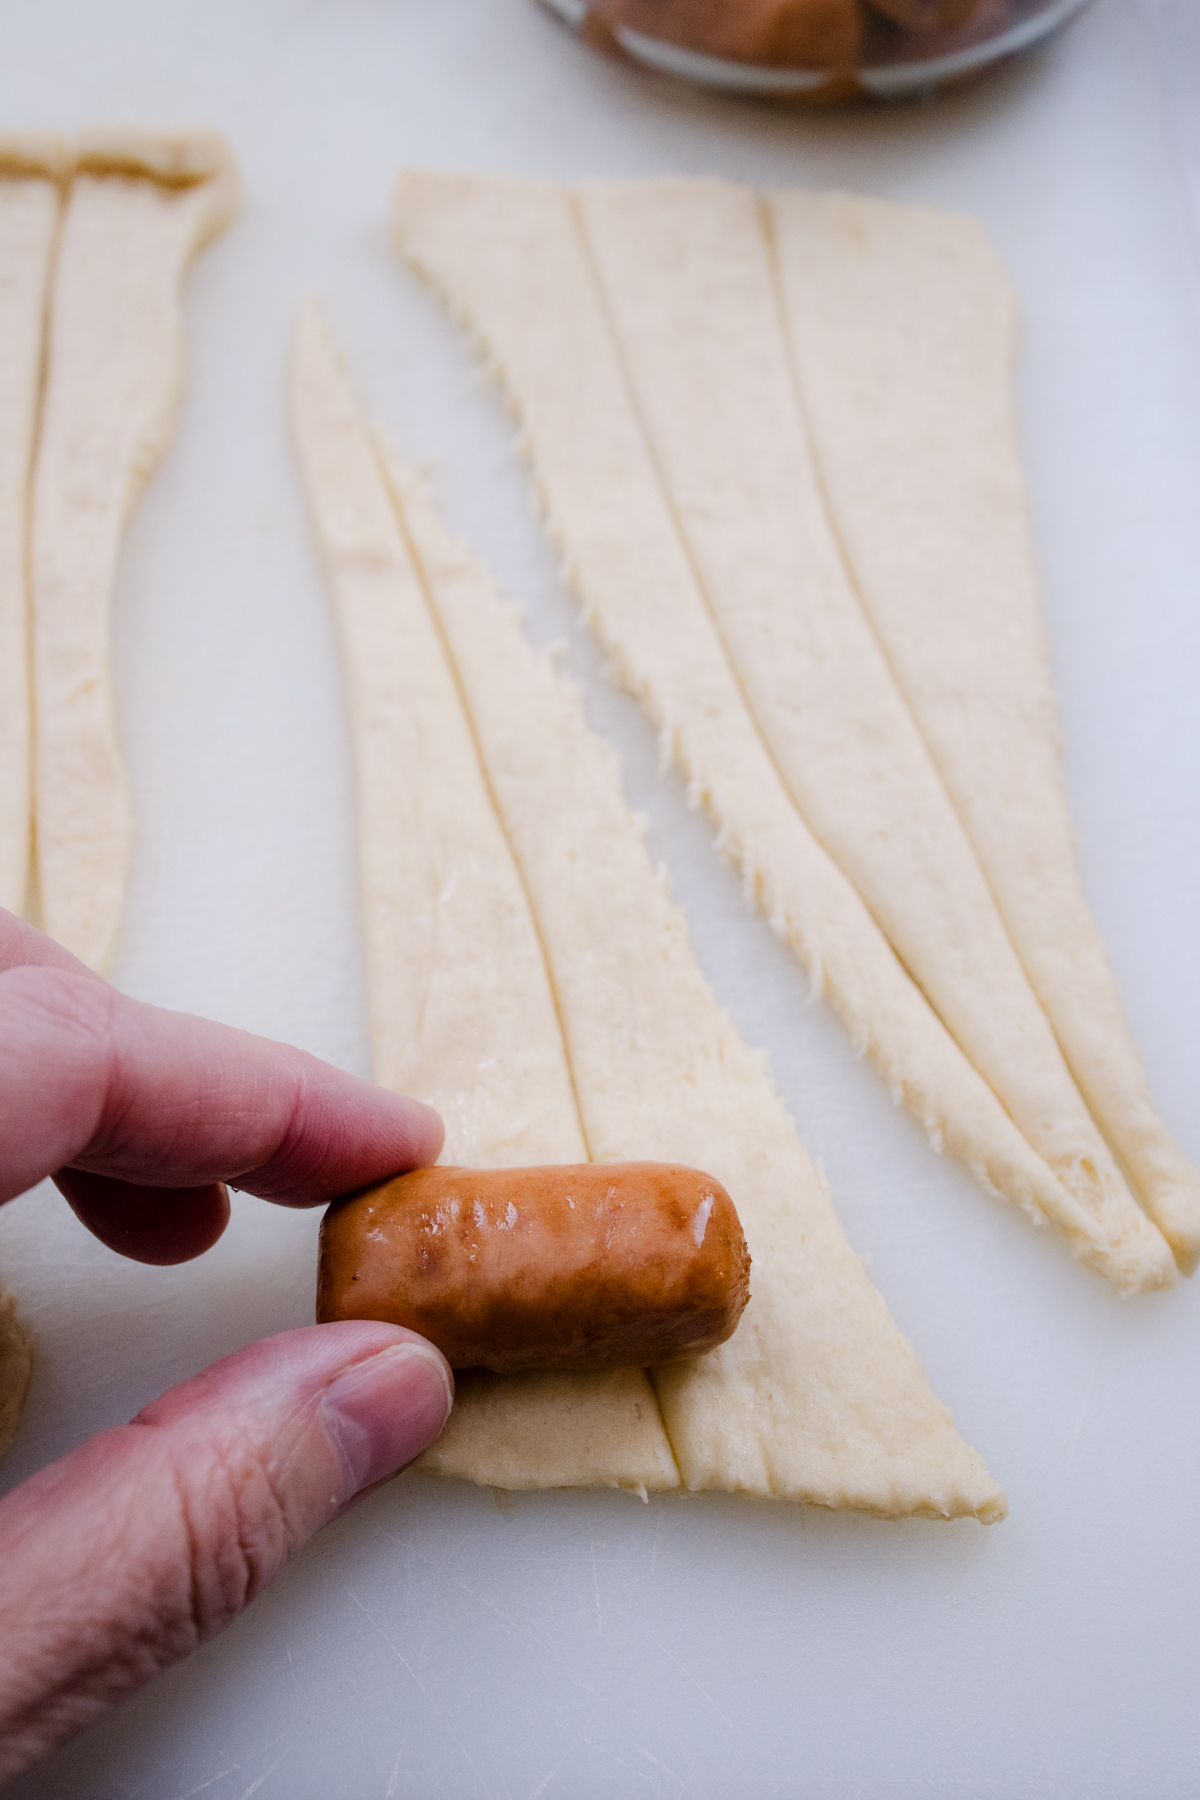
(139,209)
(685,275)
(462,1011)
(509,258)
(817,1397)
(30,199)
(904,330)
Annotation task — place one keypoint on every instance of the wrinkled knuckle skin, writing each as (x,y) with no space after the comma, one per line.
(238,1535)
(192,1531)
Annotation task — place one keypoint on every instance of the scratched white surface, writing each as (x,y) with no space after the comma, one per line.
(438,1646)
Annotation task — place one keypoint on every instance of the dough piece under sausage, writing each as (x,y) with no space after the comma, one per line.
(30,198)
(817,1396)
(462,1012)
(904,330)
(506,256)
(138,211)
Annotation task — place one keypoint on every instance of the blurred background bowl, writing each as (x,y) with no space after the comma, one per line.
(817,52)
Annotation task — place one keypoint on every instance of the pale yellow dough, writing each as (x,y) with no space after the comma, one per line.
(511,260)
(910,403)
(462,1012)
(823,1400)
(817,1397)
(685,273)
(16,1366)
(30,199)
(138,210)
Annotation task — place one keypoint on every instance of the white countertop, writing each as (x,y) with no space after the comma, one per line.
(437,1645)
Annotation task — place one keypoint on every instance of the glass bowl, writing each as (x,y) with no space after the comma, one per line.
(817,51)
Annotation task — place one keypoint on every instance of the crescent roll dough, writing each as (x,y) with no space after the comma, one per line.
(817,1397)
(638,338)
(911,409)
(462,1010)
(138,210)
(684,271)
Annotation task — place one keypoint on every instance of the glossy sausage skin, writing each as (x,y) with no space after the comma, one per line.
(580,1266)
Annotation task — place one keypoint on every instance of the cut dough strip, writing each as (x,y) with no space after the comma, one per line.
(139,209)
(506,255)
(684,270)
(910,404)
(30,200)
(462,1012)
(817,1397)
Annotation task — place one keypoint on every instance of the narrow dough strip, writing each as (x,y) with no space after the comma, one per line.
(504,254)
(904,330)
(817,1397)
(30,199)
(462,1012)
(684,270)
(113,387)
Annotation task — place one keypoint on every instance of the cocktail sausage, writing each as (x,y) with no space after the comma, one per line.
(559,1267)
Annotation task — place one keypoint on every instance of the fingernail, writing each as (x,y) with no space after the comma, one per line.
(383,1412)
(433,1125)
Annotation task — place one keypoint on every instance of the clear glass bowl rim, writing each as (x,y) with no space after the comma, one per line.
(883,80)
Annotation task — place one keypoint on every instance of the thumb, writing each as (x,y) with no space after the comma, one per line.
(120,1558)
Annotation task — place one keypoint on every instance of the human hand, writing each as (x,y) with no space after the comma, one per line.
(124,1555)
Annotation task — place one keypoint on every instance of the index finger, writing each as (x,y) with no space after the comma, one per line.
(95,1081)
